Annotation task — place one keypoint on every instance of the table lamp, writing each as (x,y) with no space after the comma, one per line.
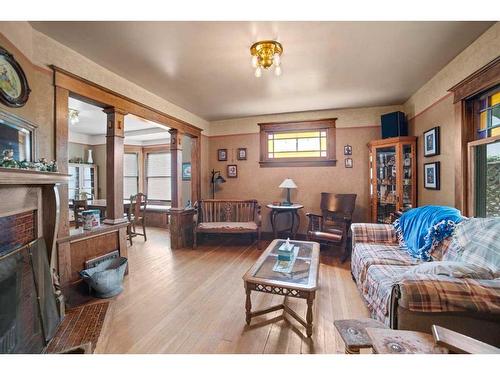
(288,184)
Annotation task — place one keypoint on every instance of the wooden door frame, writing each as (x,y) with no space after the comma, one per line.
(68,85)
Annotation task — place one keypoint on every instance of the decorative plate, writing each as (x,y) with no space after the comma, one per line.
(14,89)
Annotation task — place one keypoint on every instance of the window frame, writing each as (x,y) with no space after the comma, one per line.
(161,150)
(138,176)
(327,125)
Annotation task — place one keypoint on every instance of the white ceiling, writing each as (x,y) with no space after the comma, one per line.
(92,122)
(205,66)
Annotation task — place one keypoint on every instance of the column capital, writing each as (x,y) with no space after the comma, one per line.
(176,139)
(113,110)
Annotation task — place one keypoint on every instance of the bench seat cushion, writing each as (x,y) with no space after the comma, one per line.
(227,226)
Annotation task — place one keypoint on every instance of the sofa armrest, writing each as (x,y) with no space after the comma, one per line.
(196,214)
(368,232)
(436,293)
(258,219)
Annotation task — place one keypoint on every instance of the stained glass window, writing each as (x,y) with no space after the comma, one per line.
(489,116)
(299,144)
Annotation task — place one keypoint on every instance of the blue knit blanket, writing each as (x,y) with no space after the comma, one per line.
(420,229)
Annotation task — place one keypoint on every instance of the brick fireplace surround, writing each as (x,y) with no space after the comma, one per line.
(29,218)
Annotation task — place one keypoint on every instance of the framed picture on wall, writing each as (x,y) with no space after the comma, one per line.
(347,150)
(431,176)
(431,142)
(14,89)
(242,154)
(222,154)
(232,171)
(348,162)
(186,171)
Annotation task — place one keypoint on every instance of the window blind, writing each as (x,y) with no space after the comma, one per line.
(158,176)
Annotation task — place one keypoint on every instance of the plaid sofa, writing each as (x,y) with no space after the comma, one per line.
(417,301)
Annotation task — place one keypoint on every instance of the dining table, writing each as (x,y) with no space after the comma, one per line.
(101,205)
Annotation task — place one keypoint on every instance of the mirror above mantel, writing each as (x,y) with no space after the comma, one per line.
(19,135)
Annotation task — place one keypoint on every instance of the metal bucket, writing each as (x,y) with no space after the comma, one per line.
(106,278)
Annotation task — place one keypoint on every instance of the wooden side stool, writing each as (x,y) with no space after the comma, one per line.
(391,341)
(353,333)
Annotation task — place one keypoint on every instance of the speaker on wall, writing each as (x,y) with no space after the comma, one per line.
(394,125)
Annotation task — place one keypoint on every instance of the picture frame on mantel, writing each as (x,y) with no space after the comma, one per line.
(432,178)
(431,142)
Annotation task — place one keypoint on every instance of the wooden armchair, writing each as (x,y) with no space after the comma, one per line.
(136,215)
(227,216)
(334,223)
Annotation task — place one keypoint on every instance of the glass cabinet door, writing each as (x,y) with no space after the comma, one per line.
(407,178)
(386,183)
(87,184)
(74,184)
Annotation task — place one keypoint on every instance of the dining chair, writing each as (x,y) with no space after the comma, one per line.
(334,223)
(136,216)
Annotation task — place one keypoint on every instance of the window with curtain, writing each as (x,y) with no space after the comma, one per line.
(130,174)
(299,143)
(158,176)
(485,152)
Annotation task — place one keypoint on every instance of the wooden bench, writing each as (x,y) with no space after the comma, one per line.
(227,216)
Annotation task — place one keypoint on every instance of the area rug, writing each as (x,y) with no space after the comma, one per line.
(81,325)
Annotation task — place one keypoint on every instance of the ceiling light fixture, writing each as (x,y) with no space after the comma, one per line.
(73,116)
(265,55)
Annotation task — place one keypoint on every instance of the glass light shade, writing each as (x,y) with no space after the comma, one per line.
(255,61)
(277,70)
(258,72)
(277,59)
(288,184)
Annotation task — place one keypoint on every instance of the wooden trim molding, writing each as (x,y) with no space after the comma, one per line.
(321,124)
(465,94)
(481,80)
(103,97)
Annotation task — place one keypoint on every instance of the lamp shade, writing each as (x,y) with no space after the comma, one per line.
(288,184)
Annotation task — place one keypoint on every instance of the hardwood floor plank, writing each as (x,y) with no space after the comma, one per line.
(193,301)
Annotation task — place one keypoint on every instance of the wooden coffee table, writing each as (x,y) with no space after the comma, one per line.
(300,282)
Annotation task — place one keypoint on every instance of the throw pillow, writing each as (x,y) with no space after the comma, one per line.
(483,249)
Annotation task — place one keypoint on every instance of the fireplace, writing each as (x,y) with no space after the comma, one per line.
(29,310)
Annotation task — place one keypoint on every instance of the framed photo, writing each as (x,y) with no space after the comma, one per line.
(186,171)
(431,142)
(347,150)
(431,175)
(14,89)
(348,162)
(222,154)
(242,154)
(232,171)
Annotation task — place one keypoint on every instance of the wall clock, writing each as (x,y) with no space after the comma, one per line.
(14,89)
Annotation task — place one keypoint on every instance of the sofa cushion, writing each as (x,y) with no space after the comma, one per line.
(228,226)
(365,255)
(458,270)
(483,249)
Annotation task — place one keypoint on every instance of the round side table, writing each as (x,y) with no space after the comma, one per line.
(292,211)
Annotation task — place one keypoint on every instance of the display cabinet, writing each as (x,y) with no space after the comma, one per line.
(83,180)
(393,177)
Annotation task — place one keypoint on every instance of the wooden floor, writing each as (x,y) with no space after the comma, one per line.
(192,301)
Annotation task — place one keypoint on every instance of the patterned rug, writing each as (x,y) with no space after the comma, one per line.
(81,325)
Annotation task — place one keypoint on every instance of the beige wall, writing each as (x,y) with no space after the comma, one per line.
(186,158)
(441,114)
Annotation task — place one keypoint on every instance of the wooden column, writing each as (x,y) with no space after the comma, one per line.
(176,164)
(181,227)
(114,165)
(195,169)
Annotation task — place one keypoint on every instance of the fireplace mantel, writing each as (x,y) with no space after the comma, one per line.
(13,176)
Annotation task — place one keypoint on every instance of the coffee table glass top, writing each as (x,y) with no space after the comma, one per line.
(303,272)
